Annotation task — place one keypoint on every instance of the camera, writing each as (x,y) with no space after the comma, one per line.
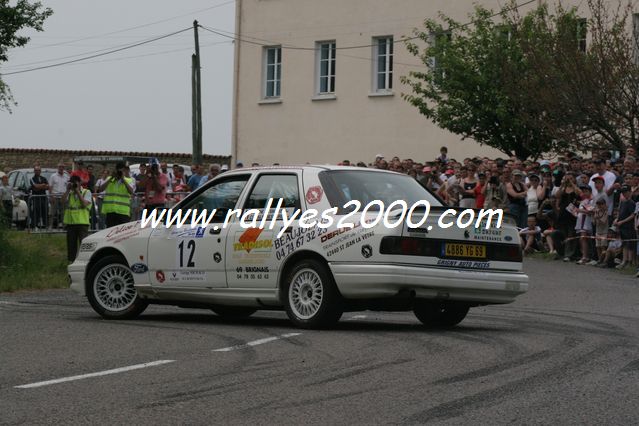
(494,180)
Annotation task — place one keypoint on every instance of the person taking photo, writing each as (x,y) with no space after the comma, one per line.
(118,190)
(77,205)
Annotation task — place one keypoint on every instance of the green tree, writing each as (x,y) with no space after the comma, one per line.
(590,93)
(478,82)
(22,15)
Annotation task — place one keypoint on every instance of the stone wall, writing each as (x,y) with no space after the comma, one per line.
(19,158)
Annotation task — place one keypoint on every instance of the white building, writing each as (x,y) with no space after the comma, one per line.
(301,97)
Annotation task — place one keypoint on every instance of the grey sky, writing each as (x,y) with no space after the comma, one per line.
(142,103)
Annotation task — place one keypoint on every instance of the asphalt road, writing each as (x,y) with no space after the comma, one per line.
(567,352)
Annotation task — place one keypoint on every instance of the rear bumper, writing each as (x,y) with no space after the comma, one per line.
(363,281)
(76,276)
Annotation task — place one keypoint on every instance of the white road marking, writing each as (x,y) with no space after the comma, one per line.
(356,317)
(256,342)
(98,374)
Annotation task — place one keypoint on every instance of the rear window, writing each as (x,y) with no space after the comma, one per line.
(342,186)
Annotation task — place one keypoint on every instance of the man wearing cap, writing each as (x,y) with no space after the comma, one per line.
(59,181)
(446,175)
(427,178)
(575,165)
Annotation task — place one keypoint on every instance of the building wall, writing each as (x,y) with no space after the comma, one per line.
(354,126)
(18,158)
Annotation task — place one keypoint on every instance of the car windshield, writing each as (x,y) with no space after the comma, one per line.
(342,186)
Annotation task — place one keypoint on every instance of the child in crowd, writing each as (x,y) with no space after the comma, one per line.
(530,236)
(583,227)
(548,234)
(613,250)
(600,218)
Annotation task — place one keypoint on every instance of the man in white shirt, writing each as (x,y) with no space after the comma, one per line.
(58,184)
(214,170)
(599,191)
(608,177)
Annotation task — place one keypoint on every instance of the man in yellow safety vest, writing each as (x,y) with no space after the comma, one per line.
(116,204)
(78,203)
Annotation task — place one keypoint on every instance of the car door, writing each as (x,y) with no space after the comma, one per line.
(254,254)
(193,255)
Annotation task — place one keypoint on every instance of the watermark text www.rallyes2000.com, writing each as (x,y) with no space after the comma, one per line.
(372,214)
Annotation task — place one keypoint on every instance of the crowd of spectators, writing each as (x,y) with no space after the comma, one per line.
(582,210)
(154,186)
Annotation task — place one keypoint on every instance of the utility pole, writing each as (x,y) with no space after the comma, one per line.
(196,101)
(194,105)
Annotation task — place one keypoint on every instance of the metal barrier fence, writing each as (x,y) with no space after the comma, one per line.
(45,213)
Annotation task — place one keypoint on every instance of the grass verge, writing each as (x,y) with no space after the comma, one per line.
(32,261)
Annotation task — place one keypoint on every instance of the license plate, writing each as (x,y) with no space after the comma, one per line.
(473,251)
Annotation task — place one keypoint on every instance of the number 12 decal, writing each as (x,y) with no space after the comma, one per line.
(190,248)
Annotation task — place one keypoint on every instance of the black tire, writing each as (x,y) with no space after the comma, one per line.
(235,312)
(440,314)
(114,297)
(312,301)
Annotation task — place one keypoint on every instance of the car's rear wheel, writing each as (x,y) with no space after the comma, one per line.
(311,296)
(441,314)
(234,311)
(111,291)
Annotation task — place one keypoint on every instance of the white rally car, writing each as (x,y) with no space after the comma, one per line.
(316,273)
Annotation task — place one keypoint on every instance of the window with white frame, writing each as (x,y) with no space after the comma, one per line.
(434,65)
(383,64)
(272,72)
(325,67)
(582,34)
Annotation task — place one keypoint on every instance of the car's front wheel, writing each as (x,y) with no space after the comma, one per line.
(311,296)
(111,291)
(441,314)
